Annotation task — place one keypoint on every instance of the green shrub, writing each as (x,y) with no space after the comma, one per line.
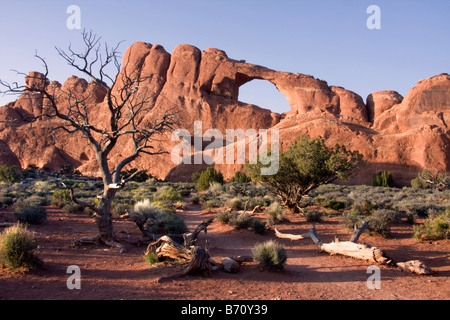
(240,177)
(383,179)
(364,207)
(169,223)
(334,204)
(18,249)
(225,216)
(275,212)
(240,221)
(210,204)
(435,228)
(6,201)
(33,200)
(270,254)
(195,199)
(166,206)
(60,198)
(30,214)
(351,219)
(207,177)
(151,258)
(427,180)
(9,173)
(313,215)
(236,203)
(257,226)
(72,207)
(170,194)
(162,221)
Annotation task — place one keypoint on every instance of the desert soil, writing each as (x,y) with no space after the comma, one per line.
(307,275)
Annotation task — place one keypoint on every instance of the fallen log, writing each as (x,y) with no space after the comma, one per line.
(293,237)
(345,248)
(199,264)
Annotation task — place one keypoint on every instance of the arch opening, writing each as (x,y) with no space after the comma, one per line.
(264,94)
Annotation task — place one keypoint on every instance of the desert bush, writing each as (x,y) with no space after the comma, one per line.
(257,226)
(41,187)
(240,221)
(145,209)
(435,228)
(195,199)
(211,204)
(275,211)
(33,200)
(33,214)
(170,194)
(72,207)
(270,254)
(9,174)
(364,207)
(151,258)
(236,203)
(162,221)
(215,188)
(383,179)
(313,215)
(380,221)
(18,249)
(240,177)
(168,223)
(334,204)
(6,201)
(225,216)
(427,180)
(207,177)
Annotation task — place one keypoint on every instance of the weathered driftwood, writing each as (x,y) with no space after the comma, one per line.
(345,248)
(198,264)
(415,266)
(186,239)
(230,265)
(291,236)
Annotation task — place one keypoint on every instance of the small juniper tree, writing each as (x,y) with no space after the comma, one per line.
(306,165)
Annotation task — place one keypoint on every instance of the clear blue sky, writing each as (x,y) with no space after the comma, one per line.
(324,38)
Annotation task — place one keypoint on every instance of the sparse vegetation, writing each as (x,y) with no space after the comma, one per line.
(18,249)
(270,254)
(9,174)
(435,228)
(427,180)
(306,165)
(383,179)
(33,214)
(206,177)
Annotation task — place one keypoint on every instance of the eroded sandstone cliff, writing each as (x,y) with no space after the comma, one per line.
(400,134)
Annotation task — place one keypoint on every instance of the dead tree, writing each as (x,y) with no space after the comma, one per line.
(358,251)
(345,248)
(126,103)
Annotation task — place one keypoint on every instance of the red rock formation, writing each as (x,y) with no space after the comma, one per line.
(401,135)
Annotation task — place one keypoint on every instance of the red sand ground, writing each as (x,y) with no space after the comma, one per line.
(108,274)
